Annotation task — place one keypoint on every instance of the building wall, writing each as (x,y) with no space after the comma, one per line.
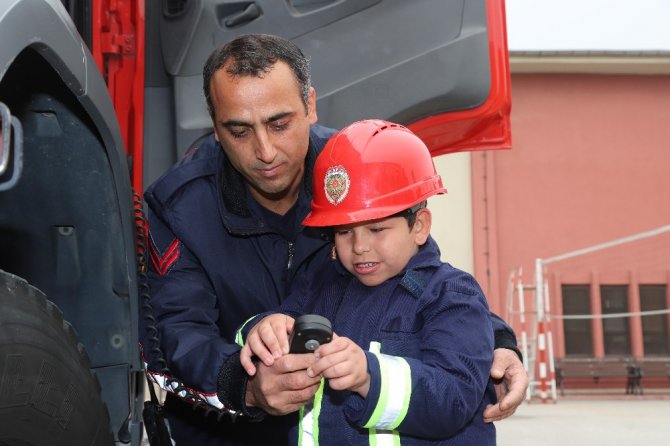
(452,212)
(590,164)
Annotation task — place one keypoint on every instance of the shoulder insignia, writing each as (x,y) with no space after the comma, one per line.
(161,263)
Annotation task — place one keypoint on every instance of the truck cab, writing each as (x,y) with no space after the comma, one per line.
(99,98)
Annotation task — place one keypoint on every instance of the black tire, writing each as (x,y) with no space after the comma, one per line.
(48,393)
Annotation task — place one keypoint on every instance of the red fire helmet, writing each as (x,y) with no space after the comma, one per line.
(371,169)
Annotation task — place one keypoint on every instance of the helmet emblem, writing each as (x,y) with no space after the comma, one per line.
(336,184)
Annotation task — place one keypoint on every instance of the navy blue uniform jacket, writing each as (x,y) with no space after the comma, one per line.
(216,260)
(428,340)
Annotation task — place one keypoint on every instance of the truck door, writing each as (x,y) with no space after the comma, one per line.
(439,66)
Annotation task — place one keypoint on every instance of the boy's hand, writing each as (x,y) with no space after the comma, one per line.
(268,340)
(344,364)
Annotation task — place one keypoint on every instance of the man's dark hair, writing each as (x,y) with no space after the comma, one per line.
(254,55)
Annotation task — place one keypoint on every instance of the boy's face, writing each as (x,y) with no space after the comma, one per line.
(376,250)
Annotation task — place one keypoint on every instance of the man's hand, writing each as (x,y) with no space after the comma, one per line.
(283,388)
(512,381)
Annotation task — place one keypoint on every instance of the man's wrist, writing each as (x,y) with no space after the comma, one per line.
(249,403)
(232,389)
(249,396)
(504,340)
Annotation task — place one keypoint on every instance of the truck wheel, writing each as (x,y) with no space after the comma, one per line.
(48,393)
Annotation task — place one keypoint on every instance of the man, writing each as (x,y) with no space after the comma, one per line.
(227,243)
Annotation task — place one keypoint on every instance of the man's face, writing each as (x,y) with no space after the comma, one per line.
(263,127)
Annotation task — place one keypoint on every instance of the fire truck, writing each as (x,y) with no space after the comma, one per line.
(99,97)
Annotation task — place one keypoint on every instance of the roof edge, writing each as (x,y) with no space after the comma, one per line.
(591,62)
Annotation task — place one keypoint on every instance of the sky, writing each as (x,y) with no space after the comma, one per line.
(582,25)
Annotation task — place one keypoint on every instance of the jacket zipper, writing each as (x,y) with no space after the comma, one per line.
(291,250)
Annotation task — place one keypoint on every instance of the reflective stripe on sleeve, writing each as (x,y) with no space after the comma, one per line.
(395,392)
(171,385)
(384,438)
(308,429)
(238,336)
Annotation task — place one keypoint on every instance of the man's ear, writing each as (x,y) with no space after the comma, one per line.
(421,229)
(311,106)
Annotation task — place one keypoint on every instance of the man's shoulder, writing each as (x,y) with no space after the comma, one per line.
(202,160)
(439,277)
(456,280)
(319,135)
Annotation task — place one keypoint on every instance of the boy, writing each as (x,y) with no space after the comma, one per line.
(409,361)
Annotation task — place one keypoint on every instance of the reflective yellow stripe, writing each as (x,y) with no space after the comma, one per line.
(238,336)
(301,414)
(384,438)
(394,397)
(396,402)
(308,428)
(381,404)
(395,393)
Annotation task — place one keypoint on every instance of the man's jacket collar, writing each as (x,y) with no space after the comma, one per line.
(233,191)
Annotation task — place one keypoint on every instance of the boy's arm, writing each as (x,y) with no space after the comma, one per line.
(437,396)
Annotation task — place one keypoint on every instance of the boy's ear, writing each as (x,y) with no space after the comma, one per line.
(421,229)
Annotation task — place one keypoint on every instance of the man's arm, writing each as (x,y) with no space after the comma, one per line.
(507,371)
(504,336)
(183,349)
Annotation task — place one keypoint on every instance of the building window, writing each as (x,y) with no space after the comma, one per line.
(616,331)
(654,327)
(578,335)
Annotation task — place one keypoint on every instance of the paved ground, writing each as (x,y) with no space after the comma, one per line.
(582,422)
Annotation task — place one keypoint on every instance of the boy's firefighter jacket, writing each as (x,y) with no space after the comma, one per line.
(429,346)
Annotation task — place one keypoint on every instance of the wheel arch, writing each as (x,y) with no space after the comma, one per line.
(68,225)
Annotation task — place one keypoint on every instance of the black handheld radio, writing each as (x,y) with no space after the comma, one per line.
(309,332)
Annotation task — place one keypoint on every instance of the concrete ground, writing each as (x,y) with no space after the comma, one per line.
(587,421)
(581,422)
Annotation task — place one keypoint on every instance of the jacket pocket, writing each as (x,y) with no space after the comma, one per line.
(400,336)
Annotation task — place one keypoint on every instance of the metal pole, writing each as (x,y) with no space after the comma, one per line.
(541,340)
(524,335)
(550,339)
